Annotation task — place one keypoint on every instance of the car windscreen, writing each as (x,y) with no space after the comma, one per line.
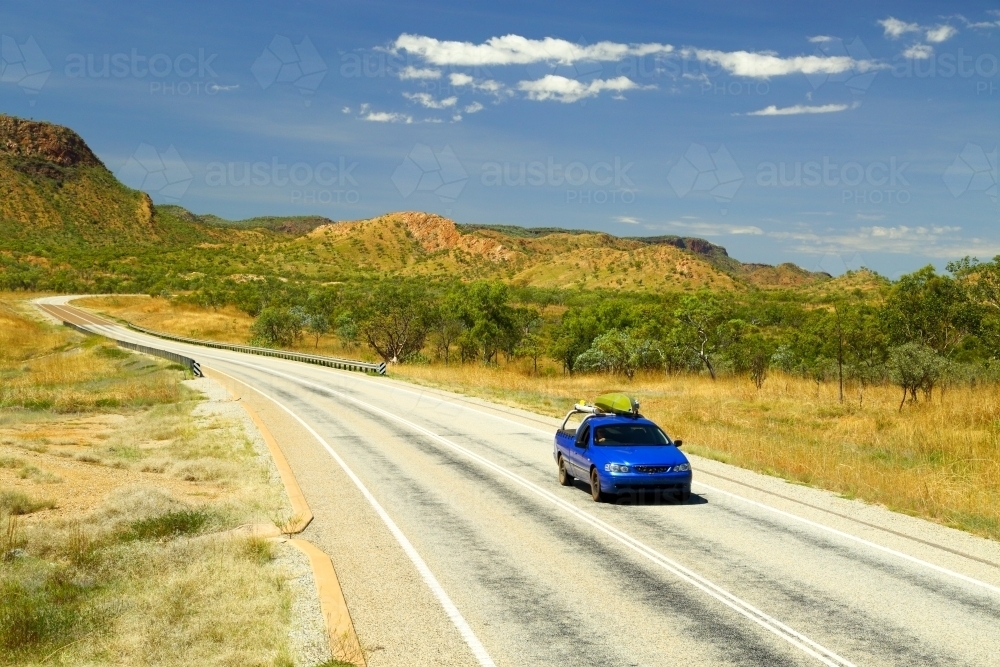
(616,435)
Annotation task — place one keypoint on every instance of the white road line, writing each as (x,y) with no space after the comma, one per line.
(456,617)
(840,533)
(769,623)
(859,540)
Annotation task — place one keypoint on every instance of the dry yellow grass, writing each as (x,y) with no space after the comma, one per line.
(228,324)
(111,511)
(52,368)
(935,459)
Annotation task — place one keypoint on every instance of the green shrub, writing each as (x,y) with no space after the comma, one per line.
(17,503)
(112,353)
(38,614)
(171,524)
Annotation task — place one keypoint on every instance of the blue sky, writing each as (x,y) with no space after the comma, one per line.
(832,136)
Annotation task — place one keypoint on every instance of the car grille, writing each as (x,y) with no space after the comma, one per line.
(652,469)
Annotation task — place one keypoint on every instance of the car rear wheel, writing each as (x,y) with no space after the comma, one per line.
(595,487)
(564,477)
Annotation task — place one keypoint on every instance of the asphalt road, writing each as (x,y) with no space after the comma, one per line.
(455,545)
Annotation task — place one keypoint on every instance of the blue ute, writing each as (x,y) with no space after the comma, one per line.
(620,452)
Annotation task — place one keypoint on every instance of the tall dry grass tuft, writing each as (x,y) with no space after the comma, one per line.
(938,459)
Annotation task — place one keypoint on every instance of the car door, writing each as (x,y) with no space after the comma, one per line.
(578,452)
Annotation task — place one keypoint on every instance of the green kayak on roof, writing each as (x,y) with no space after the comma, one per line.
(619,404)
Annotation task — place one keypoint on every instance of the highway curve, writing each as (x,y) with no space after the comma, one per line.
(455,545)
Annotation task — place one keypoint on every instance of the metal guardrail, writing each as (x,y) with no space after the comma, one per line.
(330,362)
(190,363)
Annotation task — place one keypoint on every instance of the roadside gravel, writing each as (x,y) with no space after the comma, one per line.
(310,645)
(309,640)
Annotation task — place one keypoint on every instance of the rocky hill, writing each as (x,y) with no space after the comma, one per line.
(54,189)
(415,243)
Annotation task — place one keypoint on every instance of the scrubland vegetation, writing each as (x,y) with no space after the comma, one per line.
(116,492)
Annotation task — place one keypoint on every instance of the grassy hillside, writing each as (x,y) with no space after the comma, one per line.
(54,189)
(414,243)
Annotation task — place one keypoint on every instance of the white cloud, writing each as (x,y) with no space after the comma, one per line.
(411,72)
(801,109)
(490,86)
(919,52)
(711,228)
(346,110)
(819,39)
(926,241)
(765,65)
(427,100)
(214,87)
(386,117)
(940,33)
(457,118)
(517,50)
(870,217)
(982,24)
(701,77)
(561,89)
(475,107)
(628,220)
(894,28)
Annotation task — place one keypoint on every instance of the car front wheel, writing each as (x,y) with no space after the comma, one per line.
(595,487)
(684,495)
(564,477)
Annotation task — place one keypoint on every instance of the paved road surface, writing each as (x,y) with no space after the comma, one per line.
(456,546)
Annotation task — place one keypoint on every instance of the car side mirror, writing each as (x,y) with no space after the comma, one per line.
(582,443)
(678,443)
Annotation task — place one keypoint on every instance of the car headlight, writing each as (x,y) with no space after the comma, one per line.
(684,467)
(615,467)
